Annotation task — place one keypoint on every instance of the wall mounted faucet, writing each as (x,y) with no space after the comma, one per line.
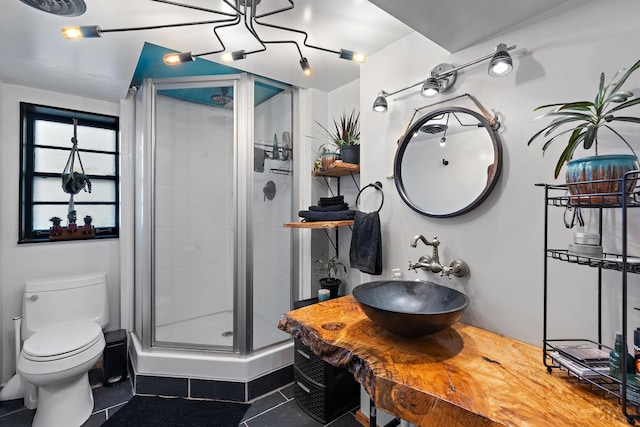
(432,263)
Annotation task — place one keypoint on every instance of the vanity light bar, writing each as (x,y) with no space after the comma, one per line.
(443,76)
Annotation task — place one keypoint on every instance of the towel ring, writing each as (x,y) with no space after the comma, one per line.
(378,186)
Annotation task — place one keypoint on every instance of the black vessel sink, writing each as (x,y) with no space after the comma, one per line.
(410,308)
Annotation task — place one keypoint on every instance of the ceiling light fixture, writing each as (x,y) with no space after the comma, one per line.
(238,11)
(443,76)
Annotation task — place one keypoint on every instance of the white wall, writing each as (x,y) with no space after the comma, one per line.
(558,59)
(31,261)
(325,108)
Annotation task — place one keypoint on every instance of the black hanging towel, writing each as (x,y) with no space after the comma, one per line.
(365,252)
(72,181)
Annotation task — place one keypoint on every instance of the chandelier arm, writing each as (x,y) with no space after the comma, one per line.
(284,9)
(304,42)
(156,27)
(202,9)
(254,33)
(231,23)
(263,42)
(235,6)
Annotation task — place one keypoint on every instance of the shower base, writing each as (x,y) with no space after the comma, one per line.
(205,375)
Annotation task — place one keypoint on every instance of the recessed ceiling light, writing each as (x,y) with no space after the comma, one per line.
(58,7)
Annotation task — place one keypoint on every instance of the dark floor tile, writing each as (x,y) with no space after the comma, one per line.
(286,415)
(114,409)
(10,406)
(287,391)
(347,420)
(96,419)
(106,397)
(263,404)
(22,418)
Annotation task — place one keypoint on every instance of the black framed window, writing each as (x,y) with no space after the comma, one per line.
(46,145)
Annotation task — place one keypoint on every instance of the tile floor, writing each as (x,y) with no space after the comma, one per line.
(277,409)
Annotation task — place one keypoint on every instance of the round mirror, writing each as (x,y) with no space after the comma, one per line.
(448,162)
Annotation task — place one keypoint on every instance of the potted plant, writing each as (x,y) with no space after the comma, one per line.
(346,135)
(87,228)
(56,228)
(74,182)
(582,121)
(72,217)
(329,268)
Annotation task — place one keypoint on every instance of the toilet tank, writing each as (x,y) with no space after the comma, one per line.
(47,302)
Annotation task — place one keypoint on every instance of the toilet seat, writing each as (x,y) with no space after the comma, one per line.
(61,341)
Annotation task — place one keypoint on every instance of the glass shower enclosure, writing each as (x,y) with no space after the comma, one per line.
(214,186)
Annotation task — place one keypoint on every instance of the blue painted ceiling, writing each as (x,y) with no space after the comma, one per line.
(150,65)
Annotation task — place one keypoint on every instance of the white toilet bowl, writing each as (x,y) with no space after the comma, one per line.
(57,359)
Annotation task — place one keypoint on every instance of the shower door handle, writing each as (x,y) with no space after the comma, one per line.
(32,297)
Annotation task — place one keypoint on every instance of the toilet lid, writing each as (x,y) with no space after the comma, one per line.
(60,341)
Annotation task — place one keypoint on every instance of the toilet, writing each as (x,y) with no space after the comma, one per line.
(62,329)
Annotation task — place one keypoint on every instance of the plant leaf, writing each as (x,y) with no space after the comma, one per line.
(627,104)
(590,136)
(626,75)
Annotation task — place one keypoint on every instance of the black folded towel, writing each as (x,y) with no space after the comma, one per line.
(331,208)
(365,253)
(330,201)
(339,198)
(327,216)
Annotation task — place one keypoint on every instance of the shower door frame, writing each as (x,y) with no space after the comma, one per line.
(243,85)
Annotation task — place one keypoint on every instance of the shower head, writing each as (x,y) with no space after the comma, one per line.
(222,98)
(433,128)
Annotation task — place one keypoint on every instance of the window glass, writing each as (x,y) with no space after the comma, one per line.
(102,216)
(46,147)
(49,189)
(60,134)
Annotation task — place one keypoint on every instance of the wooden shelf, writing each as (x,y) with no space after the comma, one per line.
(338,169)
(319,224)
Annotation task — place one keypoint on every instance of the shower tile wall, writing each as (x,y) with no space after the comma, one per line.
(194,215)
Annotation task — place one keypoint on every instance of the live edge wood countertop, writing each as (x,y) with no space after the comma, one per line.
(463,376)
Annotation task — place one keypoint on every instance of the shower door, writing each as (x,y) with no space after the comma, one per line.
(195,215)
(214,187)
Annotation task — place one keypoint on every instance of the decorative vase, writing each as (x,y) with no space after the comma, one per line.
(332,284)
(350,154)
(598,179)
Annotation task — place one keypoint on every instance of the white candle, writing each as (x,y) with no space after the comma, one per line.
(323,294)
